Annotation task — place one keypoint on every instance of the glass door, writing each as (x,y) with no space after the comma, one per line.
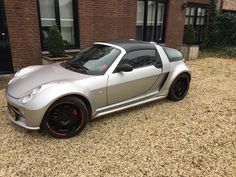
(5,55)
(150,21)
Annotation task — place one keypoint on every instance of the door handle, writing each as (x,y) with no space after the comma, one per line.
(3,35)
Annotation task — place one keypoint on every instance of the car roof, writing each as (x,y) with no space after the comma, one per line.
(130,45)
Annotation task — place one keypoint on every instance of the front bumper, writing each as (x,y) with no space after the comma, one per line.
(25,116)
(21,122)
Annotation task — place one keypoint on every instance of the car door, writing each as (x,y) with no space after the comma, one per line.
(126,85)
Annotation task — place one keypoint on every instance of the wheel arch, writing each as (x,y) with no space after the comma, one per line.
(83,98)
(86,102)
(188,73)
(178,69)
(42,101)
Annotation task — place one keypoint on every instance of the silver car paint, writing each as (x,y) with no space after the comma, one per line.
(126,85)
(105,94)
(176,68)
(35,76)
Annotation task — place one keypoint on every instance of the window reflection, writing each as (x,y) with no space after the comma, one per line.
(59,12)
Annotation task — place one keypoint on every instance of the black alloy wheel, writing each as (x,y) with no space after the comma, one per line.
(179,87)
(65,118)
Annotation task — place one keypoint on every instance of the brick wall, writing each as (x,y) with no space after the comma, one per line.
(106,20)
(98,21)
(175,21)
(23,29)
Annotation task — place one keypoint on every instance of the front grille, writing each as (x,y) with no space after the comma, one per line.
(15,110)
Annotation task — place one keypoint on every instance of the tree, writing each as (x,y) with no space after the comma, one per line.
(55,42)
(189,35)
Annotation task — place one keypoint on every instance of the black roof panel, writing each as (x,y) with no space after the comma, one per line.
(130,45)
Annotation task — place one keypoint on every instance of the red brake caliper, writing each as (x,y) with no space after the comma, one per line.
(74,113)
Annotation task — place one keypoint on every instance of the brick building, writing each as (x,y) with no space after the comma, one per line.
(24,24)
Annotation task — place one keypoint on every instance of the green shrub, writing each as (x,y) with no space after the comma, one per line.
(55,42)
(189,35)
(222,32)
(220,35)
(227,51)
(220,52)
(225,31)
(210,37)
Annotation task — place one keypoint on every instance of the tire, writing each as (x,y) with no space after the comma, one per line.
(179,88)
(65,118)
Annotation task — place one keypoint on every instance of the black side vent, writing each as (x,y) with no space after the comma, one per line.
(164,80)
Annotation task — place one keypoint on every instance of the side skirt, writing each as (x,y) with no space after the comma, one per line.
(129,103)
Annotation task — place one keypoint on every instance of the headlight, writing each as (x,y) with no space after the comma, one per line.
(28,97)
(35,91)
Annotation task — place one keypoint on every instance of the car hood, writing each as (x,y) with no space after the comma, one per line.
(32,77)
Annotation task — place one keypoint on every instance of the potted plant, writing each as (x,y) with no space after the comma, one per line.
(189,49)
(55,47)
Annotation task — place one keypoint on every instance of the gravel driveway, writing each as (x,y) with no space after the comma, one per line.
(193,137)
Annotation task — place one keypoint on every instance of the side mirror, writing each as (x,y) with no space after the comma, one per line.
(124,68)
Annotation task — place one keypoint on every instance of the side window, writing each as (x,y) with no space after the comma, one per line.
(140,58)
(173,54)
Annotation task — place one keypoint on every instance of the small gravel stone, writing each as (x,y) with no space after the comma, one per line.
(192,137)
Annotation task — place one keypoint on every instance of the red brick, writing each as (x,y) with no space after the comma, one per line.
(99,20)
(23,29)
(175,21)
(106,20)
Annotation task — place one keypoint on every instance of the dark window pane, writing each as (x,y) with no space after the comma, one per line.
(139,20)
(203,12)
(188,11)
(139,32)
(191,21)
(151,13)
(173,54)
(47,12)
(48,18)
(140,58)
(198,22)
(67,21)
(202,20)
(186,20)
(160,21)
(193,9)
(199,11)
(151,20)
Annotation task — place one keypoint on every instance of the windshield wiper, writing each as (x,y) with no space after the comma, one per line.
(77,65)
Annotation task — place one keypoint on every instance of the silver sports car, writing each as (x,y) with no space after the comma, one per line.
(106,77)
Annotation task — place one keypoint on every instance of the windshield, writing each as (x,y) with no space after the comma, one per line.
(94,60)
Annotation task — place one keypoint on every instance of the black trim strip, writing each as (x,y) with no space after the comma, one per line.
(164,80)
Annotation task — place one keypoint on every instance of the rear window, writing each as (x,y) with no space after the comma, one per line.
(173,54)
